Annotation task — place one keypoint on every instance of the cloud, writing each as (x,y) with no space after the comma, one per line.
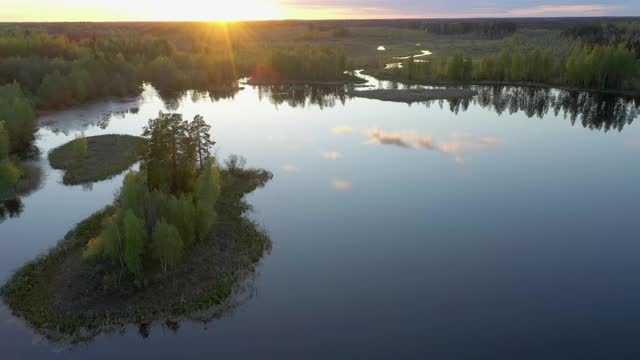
(379,137)
(426,143)
(408,139)
(331,155)
(457,145)
(342,185)
(563,10)
(290,168)
(341,130)
(376,9)
(453,147)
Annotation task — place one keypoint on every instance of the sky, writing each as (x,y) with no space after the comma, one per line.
(143,10)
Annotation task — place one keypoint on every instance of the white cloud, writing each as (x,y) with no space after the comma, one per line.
(341,130)
(331,155)
(562,10)
(342,185)
(290,168)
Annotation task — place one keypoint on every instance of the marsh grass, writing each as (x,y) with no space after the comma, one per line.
(91,159)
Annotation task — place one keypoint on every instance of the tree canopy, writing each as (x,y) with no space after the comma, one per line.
(170,201)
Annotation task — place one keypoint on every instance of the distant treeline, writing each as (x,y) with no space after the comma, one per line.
(590,67)
(626,34)
(489,29)
(305,64)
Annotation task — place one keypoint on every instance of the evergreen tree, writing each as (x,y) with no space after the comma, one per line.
(200,135)
(171,147)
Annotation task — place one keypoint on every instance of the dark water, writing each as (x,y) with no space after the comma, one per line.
(505,227)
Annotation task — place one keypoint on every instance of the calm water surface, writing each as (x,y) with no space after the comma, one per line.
(502,227)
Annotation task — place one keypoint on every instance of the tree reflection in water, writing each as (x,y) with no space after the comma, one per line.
(11,205)
(594,111)
(302,96)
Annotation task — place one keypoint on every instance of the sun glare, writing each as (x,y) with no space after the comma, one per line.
(234,10)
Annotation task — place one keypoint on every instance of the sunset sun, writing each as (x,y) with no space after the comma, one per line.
(229,11)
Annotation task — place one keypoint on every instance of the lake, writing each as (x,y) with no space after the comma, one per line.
(505,226)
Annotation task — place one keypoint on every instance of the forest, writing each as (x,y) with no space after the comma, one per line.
(599,67)
(627,34)
(308,65)
(489,29)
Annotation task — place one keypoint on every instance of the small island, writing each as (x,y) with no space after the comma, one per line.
(414,95)
(90,159)
(174,244)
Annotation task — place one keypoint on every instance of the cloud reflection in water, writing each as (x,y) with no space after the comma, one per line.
(457,145)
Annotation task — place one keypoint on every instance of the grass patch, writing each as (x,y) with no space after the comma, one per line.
(414,95)
(102,158)
(69,300)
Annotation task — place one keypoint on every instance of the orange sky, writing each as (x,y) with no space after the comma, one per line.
(203,10)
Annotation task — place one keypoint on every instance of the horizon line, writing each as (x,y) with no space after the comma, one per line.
(324,19)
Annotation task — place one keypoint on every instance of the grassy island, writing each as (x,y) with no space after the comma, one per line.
(414,95)
(91,159)
(174,244)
